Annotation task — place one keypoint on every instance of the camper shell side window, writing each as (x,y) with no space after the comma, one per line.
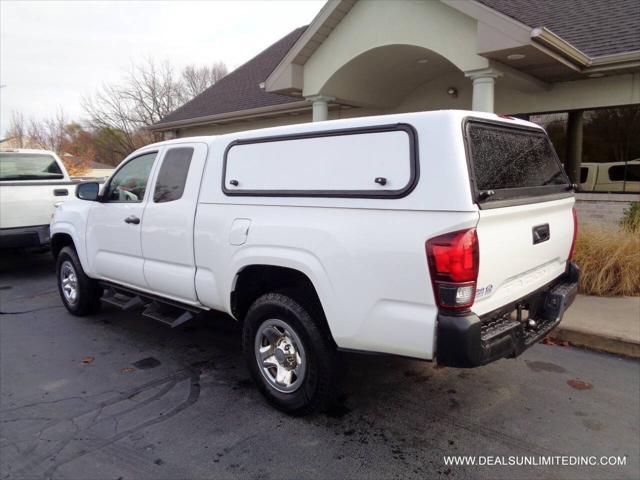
(364,162)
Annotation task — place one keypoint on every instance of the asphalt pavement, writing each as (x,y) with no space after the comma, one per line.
(120,396)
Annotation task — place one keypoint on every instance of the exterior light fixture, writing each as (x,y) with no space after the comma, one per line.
(453,92)
(515,56)
(422,61)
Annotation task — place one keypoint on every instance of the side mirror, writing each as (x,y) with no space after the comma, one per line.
(88,191)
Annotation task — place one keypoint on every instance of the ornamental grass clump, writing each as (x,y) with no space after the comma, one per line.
(609,261)
(631,218)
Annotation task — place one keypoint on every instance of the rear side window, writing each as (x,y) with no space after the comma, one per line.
(173,175)
(620,173)
(510,162)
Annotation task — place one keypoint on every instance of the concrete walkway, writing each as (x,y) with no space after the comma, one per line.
(610,324)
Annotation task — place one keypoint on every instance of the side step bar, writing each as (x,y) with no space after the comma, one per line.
(121,300)
(167,314)
(164,311)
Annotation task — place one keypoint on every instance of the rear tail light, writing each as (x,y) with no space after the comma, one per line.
(575,233)
(454,259)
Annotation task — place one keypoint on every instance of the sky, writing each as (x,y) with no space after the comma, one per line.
(53,53)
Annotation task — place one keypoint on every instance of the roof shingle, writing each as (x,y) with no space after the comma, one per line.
(240,89)
(596,27)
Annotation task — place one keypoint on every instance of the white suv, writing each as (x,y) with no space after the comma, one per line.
(442,236)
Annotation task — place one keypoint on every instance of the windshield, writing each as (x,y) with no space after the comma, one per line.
(513,162)
(28,166)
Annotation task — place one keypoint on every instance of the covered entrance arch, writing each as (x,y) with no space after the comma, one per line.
(383,77)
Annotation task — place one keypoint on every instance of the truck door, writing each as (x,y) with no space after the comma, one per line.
(113,228)
(167,228)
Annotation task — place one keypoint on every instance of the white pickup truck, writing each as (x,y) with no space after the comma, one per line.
(32,182)
(610,177)
(441,236)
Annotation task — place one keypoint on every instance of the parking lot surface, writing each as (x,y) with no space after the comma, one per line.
(119,396)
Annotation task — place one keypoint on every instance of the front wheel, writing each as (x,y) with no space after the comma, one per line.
(79,293)
(292,360)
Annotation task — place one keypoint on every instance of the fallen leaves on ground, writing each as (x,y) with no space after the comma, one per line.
(556,342)
(127,370)
(87,360)
(579,384)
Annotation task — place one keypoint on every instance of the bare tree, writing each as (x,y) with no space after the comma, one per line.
(153,91)
(109,113)
(48,134)
(197,79)
(16,136)
(149,93)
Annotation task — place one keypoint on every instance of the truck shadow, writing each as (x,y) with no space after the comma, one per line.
(215,338)
(22,264)
(212,342)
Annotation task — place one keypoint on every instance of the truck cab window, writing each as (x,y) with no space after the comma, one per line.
(28,166)
(620,173)
(584,174)
(173,175)
(130,182)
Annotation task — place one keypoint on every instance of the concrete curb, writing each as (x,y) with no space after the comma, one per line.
(607,324)
(597,341)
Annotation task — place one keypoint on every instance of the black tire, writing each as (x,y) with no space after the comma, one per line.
(319,386)
(87,290)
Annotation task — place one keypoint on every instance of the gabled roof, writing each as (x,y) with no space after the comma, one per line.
(240,89)
(588,33)
(595,27)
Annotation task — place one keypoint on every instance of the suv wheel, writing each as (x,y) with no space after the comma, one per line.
(289,356)
(79,293)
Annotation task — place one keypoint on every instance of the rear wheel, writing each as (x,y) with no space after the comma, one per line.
(79,293)
(291,359)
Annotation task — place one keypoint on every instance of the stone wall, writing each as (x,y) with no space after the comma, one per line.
(603,209)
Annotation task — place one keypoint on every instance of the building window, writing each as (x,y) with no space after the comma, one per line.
(610,147)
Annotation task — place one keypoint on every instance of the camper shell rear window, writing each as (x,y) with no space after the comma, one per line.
(510,163)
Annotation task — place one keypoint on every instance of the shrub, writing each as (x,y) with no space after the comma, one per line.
(630,221)
(609,261)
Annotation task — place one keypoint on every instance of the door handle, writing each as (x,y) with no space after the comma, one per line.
(132,219)
(541,233)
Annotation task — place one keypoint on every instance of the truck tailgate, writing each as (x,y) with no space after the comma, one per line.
(516,257)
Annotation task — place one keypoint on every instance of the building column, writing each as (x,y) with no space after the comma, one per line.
(483,89)
(320,106)
(575,123)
